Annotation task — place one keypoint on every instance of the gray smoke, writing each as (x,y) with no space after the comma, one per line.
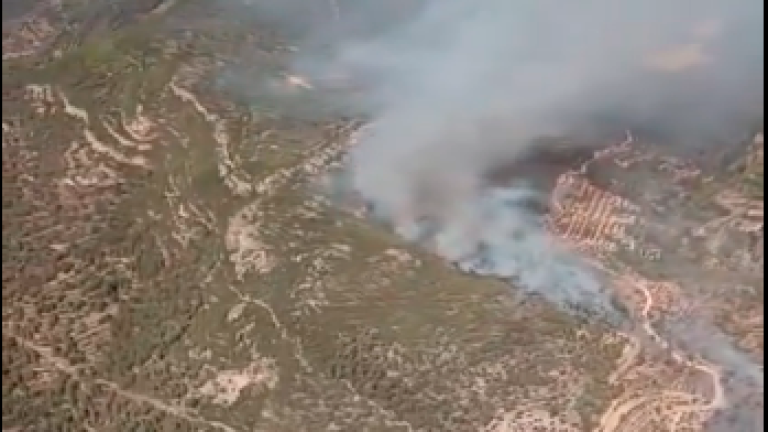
(744,379)
(454,89)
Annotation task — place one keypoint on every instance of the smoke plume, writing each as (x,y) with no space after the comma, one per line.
(455,89)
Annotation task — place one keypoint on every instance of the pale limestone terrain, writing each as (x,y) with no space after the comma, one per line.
(167,267)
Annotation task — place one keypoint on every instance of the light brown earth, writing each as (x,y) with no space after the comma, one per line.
(165,267)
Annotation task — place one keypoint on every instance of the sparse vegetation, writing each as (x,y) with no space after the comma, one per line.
(165,267)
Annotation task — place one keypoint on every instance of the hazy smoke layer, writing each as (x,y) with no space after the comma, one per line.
(743,379)
(456,87)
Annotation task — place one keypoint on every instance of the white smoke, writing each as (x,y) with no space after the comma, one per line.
(462,85)
(456,88)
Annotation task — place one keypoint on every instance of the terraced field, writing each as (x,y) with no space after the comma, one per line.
(168,267)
